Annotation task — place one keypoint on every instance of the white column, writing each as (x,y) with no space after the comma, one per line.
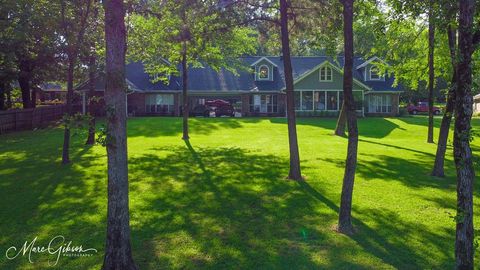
(363,103)
(126,104)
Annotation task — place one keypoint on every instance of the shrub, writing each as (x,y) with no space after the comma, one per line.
(402,111)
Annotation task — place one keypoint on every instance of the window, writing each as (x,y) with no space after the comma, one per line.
(332,100)
(374,73)
(326,74)
(307,100)
(263,73)
(379,104)
(386,104)
(319,100)
(263,103)
(159,103)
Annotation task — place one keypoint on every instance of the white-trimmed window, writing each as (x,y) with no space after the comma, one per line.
(326,74)
(375,74)
(263,73)
(379,103)
(263,103)
(159,103)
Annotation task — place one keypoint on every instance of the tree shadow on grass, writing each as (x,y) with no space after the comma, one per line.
(42,198)
(398,147)
(230,208)
(411,172)
(368,127)
(171,126)
(389,236)
(422,120)
(217,209)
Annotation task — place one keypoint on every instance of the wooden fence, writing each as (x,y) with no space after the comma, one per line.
(28,119)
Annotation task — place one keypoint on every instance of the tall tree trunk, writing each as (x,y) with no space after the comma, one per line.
(2,95)
(438,167)
(69,106)
(24,83)
(345,215)
(91,98)
(341,122)
(92,75)
(461,142)
(431,70)
(185,91)
(118,251)
(294,173)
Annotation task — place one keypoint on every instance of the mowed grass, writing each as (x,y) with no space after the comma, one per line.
(222,201)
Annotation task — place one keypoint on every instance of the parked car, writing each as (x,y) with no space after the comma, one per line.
(200,110)
(422,107)
(219,106)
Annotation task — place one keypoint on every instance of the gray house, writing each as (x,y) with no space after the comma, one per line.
(259,90)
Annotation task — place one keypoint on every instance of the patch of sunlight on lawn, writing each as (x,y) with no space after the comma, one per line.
(221,201)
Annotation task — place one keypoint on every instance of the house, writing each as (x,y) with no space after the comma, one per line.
(49,93)
(259,89)
(476,104)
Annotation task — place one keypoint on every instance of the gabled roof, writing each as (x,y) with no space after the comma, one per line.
(364,64)
(51,87)
(326,62)
(261,59)
(100,84)
(206,79)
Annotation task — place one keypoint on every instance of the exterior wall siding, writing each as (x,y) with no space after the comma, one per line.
(245,105)
(136,104)
(177,104)
(312,82)
(395,104)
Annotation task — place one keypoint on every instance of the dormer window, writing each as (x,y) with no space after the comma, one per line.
(326,74)
(375,74)
(264,73)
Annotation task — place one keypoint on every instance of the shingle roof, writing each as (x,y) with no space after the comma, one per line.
(207,79)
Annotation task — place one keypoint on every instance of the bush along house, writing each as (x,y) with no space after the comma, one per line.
(259,89)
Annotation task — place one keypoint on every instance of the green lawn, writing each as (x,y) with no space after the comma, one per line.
(222,202)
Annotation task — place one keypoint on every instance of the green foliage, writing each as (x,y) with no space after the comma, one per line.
(403,111)
(157,40)
(76,121)
(102,136)
(397,31)
(28,36)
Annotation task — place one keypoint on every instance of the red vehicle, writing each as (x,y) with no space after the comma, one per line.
(422,107)
(219,106)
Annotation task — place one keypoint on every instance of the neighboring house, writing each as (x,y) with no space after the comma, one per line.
(51,92)
(476,104)
(260,88)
